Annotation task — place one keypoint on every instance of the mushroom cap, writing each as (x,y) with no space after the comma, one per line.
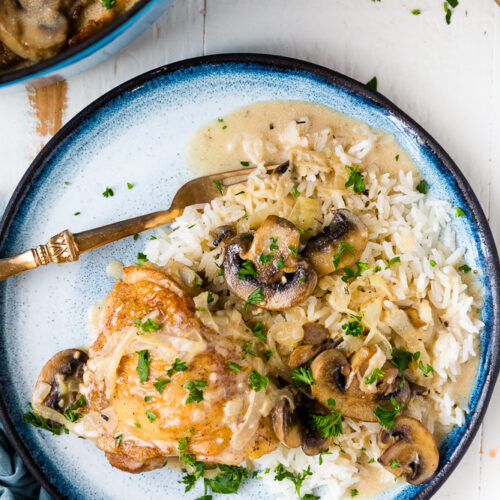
(346,228)
(313,443)
(222,234)
(412,446)
(276,296)
(287,424)
(314,333)
(330,371)
(64,373)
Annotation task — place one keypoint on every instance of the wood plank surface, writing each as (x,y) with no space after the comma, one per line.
(446,77)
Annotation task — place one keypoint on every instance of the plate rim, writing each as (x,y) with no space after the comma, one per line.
(331,77)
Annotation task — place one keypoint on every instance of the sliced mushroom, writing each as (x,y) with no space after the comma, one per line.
(293,288)
(302,354)
(346,228)
(7,57)
(274,249)
(315,333)
(313,443)
(330,371)
(410,446)
(287,424)
(223,234)
(57,386)
(33,29)
(394,385)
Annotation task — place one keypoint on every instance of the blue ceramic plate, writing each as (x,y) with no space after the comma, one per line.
(137,133)
(92,51)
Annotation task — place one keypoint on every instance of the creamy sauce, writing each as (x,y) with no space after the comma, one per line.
(217,146)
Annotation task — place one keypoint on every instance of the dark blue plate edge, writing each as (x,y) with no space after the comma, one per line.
(491,261)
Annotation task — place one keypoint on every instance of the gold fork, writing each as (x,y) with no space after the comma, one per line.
(66,246)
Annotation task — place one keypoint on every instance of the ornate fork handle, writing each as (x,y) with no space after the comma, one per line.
(59,249)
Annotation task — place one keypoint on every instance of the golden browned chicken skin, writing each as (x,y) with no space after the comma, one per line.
(137,443)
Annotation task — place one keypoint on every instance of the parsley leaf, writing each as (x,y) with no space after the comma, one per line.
(294,250)
(377,374)
(143,365)
(258,331)
(247,269)
(108,192)
(273,243)
(459,212)
(328,425)
(160,384)
(297,479)
(228,480)
(177,366)
(257,381)
(70,413)
(303,374)
(350,273)
(321,453)
(393,261)
(268,354)
(235,367)
(36,420)
(151,415)
(373,84)
(264,258)
(401,359)
(295,192)
(245,163)
(355,179)
(280,263)
(354,328)
(195,393)
(108,4)
(422,187)
(256,297)
(426,370)
(150,325)
(416,12)
(342,248)
(465,268)
(386,417)
(218,186)
(354,492)
(141,259)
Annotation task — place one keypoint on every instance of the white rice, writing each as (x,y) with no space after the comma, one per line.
(401,222)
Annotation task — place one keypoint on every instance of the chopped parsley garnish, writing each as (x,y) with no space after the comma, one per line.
(191,226)
(321,453)
(150,325)
(248,350)
(354,492)
(151,415)
(426,370)
(297,479)
(148,398)
(342,248)
(195,393)
(210,297)
(268,354)
(377,374)
(280,263)
(218,186)
(371,461)
(465,268)
(177,366)
(228,480)
(108,4)
(141,259)
(66,183)
(302,280)
(422,187)
(265,258)
(224,127)
(353,328)
(376,269)
(257,381)
(136,237)
(303,374)
(143,365)
(77,213)
(295,192)
(108,192)
(396,157)
(294,250)
(220,120)
(350,273)
(138,425)
(258,331)
(36,420)
(221,269)
(70,414)
(393,261)
(130,185)
(401,359)
(187,458)
(394,464)
(355,179)
(448,11)
(416,12)
(373,83)
(239,192)
(256,297)
(160,384)
(328,425)
(247,269)
(119,440)
(459,212)
(196,282)
(386,417)
(432,263)
(245,163)
(235,367)
(273,243)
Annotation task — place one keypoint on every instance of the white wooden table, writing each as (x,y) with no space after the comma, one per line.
(447,77)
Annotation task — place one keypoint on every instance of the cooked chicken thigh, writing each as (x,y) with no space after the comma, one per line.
(155,375)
